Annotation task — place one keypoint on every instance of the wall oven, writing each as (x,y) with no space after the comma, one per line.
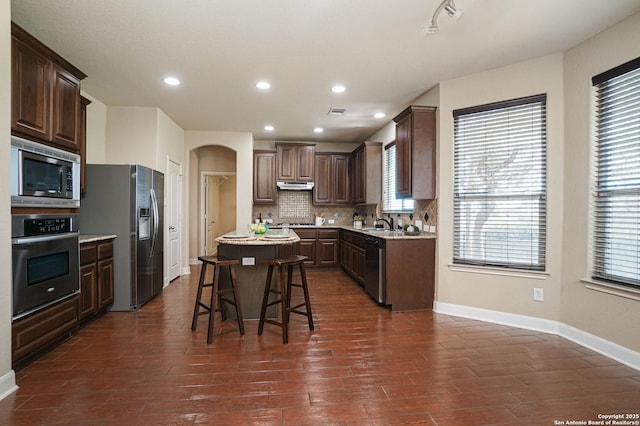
(45,256)
(42,176)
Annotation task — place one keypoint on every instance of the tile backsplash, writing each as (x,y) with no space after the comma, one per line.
(298,207)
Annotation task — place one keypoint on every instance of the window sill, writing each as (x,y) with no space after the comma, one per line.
(487,270)
(609,288)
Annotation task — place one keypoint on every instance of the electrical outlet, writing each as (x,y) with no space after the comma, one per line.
(432,229)
(419,224)
(248,261)
(538,294)
(331,221)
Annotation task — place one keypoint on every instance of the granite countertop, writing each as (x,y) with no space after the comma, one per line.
(90,238)
(271,238)
(386,234)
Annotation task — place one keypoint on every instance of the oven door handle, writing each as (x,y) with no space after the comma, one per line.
(31,240)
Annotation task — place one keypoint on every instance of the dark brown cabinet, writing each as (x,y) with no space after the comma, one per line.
(321,246)
(366,173)
(35,333)
(82,142)
(264,177)
(416,153)
(353,255)
(96,278)
(45,98)
(295,162)
(331,179)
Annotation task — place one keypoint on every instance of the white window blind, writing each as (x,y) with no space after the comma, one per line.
(500,184)
(390,203)
(617,175)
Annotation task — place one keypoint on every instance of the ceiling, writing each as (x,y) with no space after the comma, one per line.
(221,49)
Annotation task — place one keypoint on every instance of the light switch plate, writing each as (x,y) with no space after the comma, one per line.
(419,224)
(538,294)
(331,221)
(432,229)
(248,261)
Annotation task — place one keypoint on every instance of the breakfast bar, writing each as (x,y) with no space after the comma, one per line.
(251,274)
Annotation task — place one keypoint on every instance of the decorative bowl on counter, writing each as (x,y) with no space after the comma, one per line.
(259,228)
(410,230)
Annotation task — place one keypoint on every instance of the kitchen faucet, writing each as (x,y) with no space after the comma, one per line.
(388,222)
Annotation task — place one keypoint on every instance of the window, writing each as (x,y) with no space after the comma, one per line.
(390,203)
(616,193)
(500,184)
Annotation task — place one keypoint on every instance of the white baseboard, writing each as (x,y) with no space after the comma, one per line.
(605,347)
(186,271)
(7,384)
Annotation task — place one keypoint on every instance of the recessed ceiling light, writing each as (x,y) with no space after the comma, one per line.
(172,81)
(264,85)
(338,89)
(269,128)
(318,130)
(379,115)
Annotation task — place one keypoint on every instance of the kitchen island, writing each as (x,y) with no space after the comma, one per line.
(251,274)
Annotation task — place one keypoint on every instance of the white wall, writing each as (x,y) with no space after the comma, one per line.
(7,377)
(132,135)
(242,144)
(511,293)
(612,317)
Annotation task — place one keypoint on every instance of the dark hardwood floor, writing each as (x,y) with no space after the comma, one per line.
(363,365)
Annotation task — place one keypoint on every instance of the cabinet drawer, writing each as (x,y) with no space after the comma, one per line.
(88,253)
(327,233)
(35,332)
(305,233)
(105,250)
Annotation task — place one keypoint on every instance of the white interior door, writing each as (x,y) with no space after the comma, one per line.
(212,213)
(174,201)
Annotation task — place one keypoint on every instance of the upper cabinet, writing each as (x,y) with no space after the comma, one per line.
(416,153)
(366,173)
(45,101)
(295,162)
(331,179)
(264,177)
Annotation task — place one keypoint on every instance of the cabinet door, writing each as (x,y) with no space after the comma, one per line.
(340,175)
(307,248)
(66,108)
(105,283)
(327,252)
(287,162)
(30,98)
(403,157)
(359,176)
(264,177)
(305,162)
(360,262)
(87,303)
(323,179)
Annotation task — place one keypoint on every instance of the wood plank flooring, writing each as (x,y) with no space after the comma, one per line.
(363,365)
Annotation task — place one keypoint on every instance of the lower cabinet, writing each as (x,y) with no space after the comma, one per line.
(320,245)
(96,278)
(352,255)
(409,269)
(35,333)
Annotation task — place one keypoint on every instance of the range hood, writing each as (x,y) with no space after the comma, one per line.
(295,186)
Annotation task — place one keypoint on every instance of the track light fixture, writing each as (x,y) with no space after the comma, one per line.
(449,7)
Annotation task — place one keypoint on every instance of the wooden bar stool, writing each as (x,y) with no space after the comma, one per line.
(284,291)
(217,295)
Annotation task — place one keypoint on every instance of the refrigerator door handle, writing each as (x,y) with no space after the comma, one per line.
(154,225)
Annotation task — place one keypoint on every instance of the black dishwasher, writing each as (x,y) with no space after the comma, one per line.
(374,283)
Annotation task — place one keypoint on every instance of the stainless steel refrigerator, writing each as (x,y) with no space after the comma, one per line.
(127,200)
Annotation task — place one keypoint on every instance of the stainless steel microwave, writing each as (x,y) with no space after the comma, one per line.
(43,176)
